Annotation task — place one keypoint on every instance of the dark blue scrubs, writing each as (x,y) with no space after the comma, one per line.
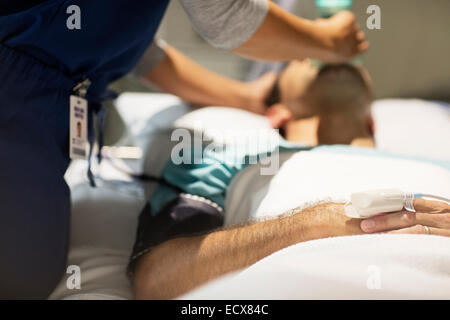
(41,61)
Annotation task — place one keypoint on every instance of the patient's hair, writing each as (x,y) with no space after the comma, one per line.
(337,89)
(342,89)
(274,96)
(340,96)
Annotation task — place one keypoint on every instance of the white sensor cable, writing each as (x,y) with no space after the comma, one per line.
(363,205)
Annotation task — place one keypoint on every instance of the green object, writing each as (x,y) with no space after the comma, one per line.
(327,8)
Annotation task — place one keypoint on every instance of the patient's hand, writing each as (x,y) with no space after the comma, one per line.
(431,217)
(328,220)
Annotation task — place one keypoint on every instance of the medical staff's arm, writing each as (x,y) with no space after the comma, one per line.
(179,265)
(284,36)
(260,29)
(179,75)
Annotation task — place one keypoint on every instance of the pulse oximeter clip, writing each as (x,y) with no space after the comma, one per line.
(363,205)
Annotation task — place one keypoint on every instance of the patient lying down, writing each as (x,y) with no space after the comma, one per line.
(181,242)
(327,106)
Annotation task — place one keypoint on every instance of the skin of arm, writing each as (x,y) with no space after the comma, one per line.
(284,36)
(179,75)
(179,265)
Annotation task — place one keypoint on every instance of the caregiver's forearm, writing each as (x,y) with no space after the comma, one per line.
(177,266)
(292,36)
(283,37)
(179,75)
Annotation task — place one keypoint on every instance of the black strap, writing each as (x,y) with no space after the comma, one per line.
(186,215)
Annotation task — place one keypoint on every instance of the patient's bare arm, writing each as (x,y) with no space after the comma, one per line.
(179,265)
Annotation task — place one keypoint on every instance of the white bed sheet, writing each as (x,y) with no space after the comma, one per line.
(104,219)
(103,229)
(353,268)
(358,267)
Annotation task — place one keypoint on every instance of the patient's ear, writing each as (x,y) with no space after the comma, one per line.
(278,115)
(371,125)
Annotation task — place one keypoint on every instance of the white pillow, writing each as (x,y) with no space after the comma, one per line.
(405,126)
(413,127)
(151,118)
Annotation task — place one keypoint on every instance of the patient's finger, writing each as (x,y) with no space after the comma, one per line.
(405,219)
(399,220)
(441,220)
(419,229)
(430,206)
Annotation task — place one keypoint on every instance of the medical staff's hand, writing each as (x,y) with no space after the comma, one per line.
(341,37)
(295,81)
(258,91)
(293,84)
(431,217)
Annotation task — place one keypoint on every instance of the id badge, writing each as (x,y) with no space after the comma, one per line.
(78,127)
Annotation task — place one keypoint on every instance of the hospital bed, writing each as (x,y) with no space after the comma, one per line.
(104,219)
